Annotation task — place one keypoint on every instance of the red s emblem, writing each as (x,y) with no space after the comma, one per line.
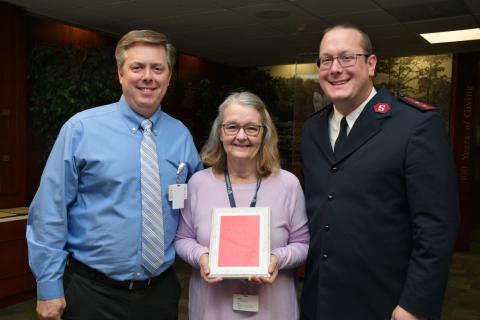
(381,107)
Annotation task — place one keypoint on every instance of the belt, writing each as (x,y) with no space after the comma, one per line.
(87,272)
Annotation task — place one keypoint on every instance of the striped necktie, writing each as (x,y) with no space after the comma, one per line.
(152,233)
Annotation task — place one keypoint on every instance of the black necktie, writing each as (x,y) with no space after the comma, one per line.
(342,136)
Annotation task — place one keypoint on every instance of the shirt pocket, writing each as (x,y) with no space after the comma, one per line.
(168,171)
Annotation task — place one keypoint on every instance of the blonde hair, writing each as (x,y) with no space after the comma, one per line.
(268,159)
(146,37)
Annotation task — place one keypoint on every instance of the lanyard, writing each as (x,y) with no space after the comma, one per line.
(228,184)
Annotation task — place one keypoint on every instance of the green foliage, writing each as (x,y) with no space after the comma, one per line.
(66,80)
(418,76)
(422,77)
(209,94)
(259,82)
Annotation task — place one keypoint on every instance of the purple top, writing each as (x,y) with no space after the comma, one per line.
(289,242)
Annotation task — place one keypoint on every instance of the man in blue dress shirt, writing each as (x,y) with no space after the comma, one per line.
(84,229)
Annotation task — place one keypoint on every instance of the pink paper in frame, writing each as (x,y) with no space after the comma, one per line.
(240,241)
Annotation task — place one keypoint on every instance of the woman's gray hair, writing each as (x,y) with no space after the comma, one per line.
(268,159)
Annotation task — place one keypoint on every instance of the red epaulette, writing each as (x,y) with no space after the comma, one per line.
(417,104)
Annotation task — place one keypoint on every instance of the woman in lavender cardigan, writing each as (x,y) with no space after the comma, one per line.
(242,148)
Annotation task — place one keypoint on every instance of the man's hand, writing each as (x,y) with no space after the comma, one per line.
(401,314)
(205,269)
(272,269)
(51,309)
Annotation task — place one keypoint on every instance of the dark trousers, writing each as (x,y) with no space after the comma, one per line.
(89,297)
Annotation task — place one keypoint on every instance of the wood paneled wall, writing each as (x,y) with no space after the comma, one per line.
(12,107)
(463,125)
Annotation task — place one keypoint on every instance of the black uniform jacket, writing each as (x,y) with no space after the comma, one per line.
(383,214)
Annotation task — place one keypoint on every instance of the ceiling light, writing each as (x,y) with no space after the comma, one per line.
(452,36)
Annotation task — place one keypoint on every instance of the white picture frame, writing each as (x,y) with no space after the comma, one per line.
(240,242)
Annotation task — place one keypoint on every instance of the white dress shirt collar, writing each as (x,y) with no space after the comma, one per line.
(336,117)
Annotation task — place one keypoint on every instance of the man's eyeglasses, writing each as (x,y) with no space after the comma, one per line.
(345,60)
(232,129)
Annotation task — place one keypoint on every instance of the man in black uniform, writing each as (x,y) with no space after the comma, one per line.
(381,194)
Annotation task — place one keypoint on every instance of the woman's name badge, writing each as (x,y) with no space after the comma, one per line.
(245,302)
(177,193)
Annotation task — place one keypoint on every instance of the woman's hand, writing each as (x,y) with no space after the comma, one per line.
(205,269)
(272,269)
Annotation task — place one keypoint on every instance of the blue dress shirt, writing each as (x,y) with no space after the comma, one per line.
(89,200)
